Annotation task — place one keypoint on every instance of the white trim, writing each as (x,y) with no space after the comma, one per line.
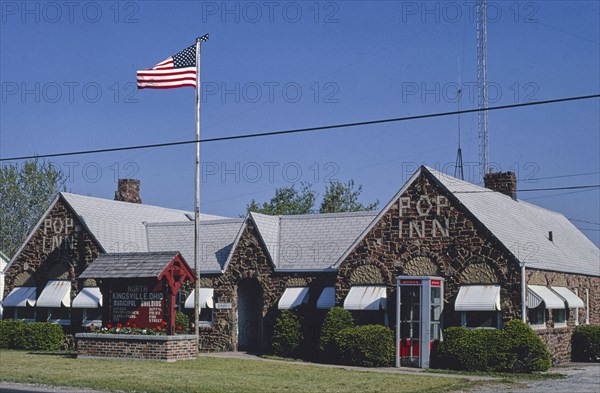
(233,246)
(293,297)
(576,291)
(587,306)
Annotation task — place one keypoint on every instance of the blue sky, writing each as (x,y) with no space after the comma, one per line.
(68,83)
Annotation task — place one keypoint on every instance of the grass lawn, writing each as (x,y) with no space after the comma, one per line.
(208,375)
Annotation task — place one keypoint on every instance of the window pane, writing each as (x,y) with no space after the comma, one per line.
(477,319)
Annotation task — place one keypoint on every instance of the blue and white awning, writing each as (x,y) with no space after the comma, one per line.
(55,294)
(366,298)
(293,297)
(20,297)
(536,294)
(326,299)
(89,297)
(205,298)
(478,298)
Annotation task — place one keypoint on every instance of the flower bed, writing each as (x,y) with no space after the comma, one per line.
(132,329)
(136,346)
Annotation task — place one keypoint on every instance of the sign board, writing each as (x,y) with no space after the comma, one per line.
(223,306)
(141,303)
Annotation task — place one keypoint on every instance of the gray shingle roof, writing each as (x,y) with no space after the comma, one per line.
(216,241)
(310,241)
(523,228)
(129,265)
(119,226)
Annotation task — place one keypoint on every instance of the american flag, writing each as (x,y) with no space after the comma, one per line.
(177,71)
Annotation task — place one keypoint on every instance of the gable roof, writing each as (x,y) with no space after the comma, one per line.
(523,229)
(513,223)
(217,240)
(119,226)
(310,242)
(129,265)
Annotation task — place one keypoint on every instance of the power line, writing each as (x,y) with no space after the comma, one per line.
(560,176)
(587,222)
(588,229)
(559,194)
(301,130)
(535,189)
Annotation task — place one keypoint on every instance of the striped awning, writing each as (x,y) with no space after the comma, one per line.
(573,301)
(20,297)
(293,297)
(326,299)
(55,294)
(205,298)
(89,297)
(478,298)
(536,294)
(366,298)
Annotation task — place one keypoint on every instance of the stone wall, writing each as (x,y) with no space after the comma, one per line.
(122,346)
(558,339)
(60,249)
(425,232)
(250,262)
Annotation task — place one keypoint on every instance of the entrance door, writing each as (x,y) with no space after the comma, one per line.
(250,321)
(410,325)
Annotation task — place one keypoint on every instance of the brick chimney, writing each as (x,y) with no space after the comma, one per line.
(128,191)
(504,182)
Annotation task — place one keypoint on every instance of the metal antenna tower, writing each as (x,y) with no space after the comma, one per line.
(482,84)
(458,168)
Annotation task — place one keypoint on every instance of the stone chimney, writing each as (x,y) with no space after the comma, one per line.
(128,191)
(504,182)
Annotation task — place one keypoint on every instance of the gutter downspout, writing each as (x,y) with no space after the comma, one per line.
(523,294)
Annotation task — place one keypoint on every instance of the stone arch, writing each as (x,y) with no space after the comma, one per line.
(296,282)
(24,279)
(478,272)
(558,280)
(367,275)
(421,266)
(90,282)
(537,278)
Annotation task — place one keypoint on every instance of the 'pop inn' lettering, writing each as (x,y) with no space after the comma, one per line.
(427,226)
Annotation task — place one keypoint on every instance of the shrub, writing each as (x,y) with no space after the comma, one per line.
(10,331)
(530,351)
(182,320)
(30,336)
(369,346)
(336,320)
(287,334)
(515,348)
(586,344)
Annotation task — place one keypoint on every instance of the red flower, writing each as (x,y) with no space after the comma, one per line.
(109,326)
(119,324)
(179,328)
(127,324)
(134,325)
(157,327)
(164,323)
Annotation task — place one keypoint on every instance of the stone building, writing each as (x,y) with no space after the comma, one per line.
(484,242)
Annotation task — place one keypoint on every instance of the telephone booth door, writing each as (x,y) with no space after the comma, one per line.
(419,313)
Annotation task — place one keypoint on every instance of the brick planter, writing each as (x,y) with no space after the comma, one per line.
(125,346)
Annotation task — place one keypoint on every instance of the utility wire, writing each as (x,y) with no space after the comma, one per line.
(308,129)
(560,176)
(535,189)
(587,222)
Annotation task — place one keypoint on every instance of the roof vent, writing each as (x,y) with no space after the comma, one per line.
(550,236)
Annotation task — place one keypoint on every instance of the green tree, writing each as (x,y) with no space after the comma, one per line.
(287,200)
(340,197)
(25,192)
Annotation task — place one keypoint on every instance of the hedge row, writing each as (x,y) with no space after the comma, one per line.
(515,348)
(586,344)
(39,336)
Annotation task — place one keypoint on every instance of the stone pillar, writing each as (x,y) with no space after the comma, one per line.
(128,191)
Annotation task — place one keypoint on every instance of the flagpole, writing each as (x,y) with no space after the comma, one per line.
(199,41)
